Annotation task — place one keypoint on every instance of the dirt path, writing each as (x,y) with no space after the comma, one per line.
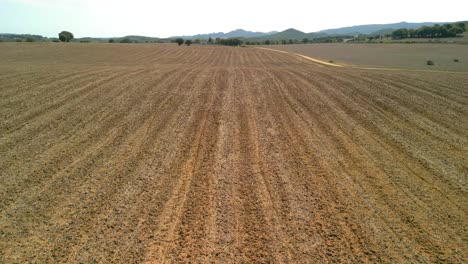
(171,154)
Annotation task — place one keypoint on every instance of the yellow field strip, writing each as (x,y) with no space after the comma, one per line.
(281,51)
(356,67)
(319,61)
(305,57)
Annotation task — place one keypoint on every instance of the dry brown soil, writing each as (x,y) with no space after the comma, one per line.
(165,154)
(403,56)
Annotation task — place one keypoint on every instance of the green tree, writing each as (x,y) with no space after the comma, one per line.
(210,40)
(400,33)
(111,40)
(267,42)
(65,36)
(425,32)
(179,41)
(188,42)
(234,42)
(442,32)
(436,31)
(448,26)
(454,31)
(305,40)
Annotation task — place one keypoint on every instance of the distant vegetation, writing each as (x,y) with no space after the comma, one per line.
(125,40)
(373,29)
(229,42)
(241,41)
(65,36)
(436,31)
(22,38)
(385,33)
(179,41)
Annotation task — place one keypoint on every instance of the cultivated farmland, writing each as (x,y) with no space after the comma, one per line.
(402,56)
(166,154)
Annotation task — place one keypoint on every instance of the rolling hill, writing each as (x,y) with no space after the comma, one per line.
(295,34)
(238,33)
(370,29)
(290,33)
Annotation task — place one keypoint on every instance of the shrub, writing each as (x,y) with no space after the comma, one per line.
(179,41)
(230,42)
(29,40)
(111,40)
(455,60)
(65,36)
(430,63)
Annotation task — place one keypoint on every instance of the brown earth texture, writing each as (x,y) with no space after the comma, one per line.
(130,153)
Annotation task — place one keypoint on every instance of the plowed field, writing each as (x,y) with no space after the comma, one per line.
(402,56)
(166,154)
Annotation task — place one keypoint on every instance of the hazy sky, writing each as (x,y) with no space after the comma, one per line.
(112,18)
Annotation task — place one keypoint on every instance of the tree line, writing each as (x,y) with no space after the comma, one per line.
(239,42)
(436,31)
(217,41)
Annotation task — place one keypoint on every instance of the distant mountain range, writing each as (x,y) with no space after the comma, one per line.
(373,29)
(238,33)
(290,34)
(296,34)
